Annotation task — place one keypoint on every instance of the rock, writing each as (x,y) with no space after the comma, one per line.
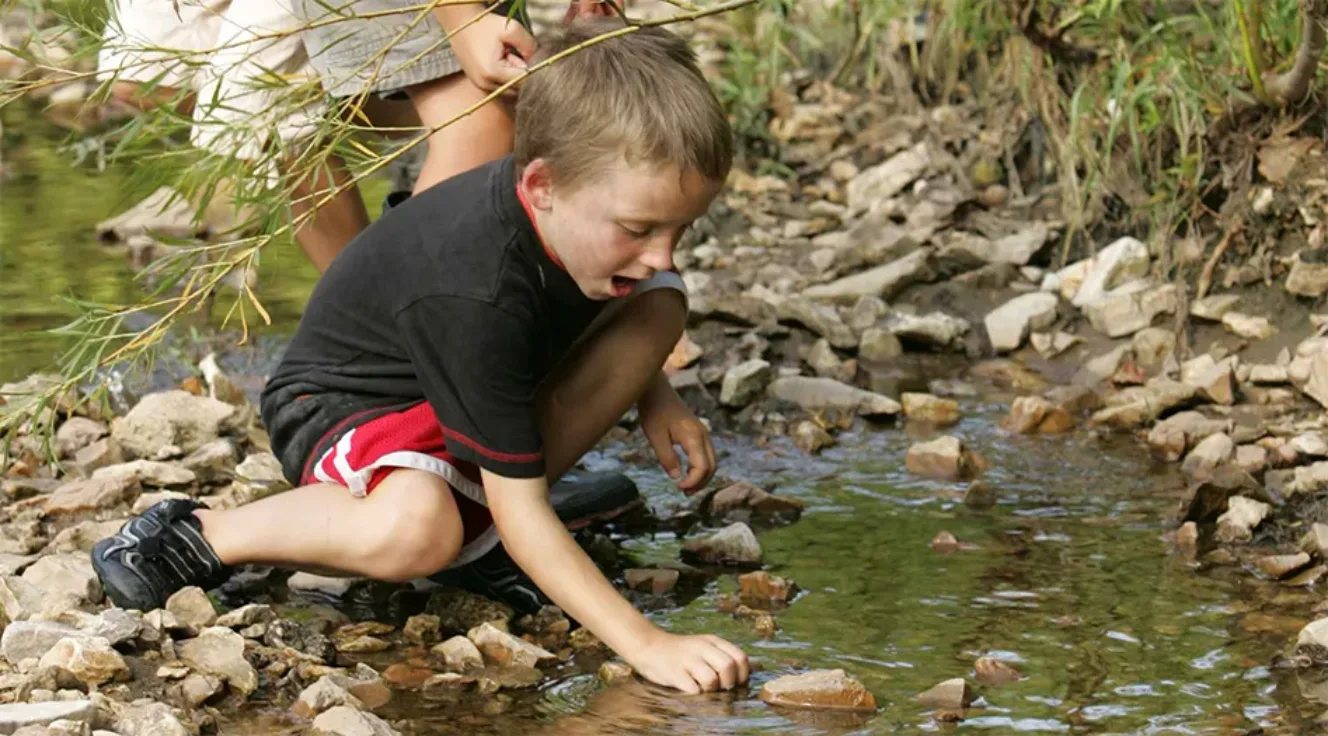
(82,536)
(407,676)
(63,728)
(423,629)
(1124,260)
(32,639)
(322,695)
(1016,248)
(92,494)
(936,330)
(885,180)
(198,689)
(654,581)
(504,649)
(1208,454)
(744,382)
(1132,307)
(1213,380)
(100,454)
(762,588)
(949,695)
(810,438)
(77,433)
(1314,634)
(1074,399)
(1243,515)
(165,214)
(831,690)
(20,715)
(1309,274)
(90,659)
(980,495)
(192,608)
(1310,444)
(1213,308)
(149,473)
(819,318)
(175,418)
(366,685)
(148,500)
(1248,327)
(1009,324)
(866,312)
(213,462)
(882,281)
(1253,459)
(220,651)
(363,644)
(21,600)
(930,409)
(152,719)
(115,625)
(1282,566)
(1316,387)
(1153,345)
(945,542)
(244,616)
(994,673)
(346,721)
(879,346)
(1307,479)
(742,500)
(71,575)
(1269,375)
(1036,415)
(1139,405)
(460,654)
(461,610)
(733,545)
(1315,540)
(823,359)
(944,459)
(613,672)
(1187,539)
(1051,344)
(261,471)
(1206,498)
(815,394)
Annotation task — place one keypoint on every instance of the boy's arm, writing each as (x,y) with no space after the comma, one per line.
(483,46)
(537,540)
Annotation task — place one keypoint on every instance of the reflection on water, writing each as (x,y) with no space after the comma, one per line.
(1069,580)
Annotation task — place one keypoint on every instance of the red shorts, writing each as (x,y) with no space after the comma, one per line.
(366,453)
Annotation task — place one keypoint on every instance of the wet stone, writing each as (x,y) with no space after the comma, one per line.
(362,645)
(614,672)
(459,654)
(423,629)
(733,545)
(952,694)
(1036,415)
(994,673)
(503,649)
(760,588)
(945,542)
(930,409)
(809,437)
(1281,566)
(831,690)
(980,495)
(345,721)
(460,610)
(944,459)
(654,581)
(742,500)
(406,676)
(815,394)
(879,346)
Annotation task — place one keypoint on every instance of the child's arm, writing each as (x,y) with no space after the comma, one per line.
(538,542)
(482,46)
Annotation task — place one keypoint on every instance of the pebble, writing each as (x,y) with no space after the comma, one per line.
(952,695)
(944,459)
(831,690)
(760,587)
(192,609)
(656,582)
(733,545)
(993,672)
(504,649)
(346,721)
(930,409)
(614,672)
(460,654)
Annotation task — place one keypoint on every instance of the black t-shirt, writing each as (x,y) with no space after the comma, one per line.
(449,298)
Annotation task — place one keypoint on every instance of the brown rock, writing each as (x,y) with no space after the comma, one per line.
(945,542)
(809,437)
(1206,498)
(765,625)
(1036,415)
(70,575)
(1253,459)
(1315,540)
(994,673)
(761,587)
(77,433)
(90,659)
(980,495)
(930,409)
(504,649)
(1187,539)
(322,695)
(614,672)
(735,545)
(92,494)
(657,582)
(1214,381)
(952,695)
(745,499)
(685,353)
(423,629)
(1281,566)
(1207,455)
(460,654)
(944,459)
(192,608)
(830,690)
(406,676)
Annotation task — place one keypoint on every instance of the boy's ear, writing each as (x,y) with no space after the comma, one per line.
(537,183)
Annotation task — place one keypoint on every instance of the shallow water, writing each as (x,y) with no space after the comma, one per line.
(1070,579)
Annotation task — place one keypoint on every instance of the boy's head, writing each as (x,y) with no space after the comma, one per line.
(619,147)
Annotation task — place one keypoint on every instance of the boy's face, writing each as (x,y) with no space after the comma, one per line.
(621,226)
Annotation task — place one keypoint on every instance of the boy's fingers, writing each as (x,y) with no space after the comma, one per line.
(519,39)
(739,657)
(698,460)
(704,675)
(724,666)
(668,459)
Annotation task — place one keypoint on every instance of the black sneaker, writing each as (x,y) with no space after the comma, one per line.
(155,554)
(579,501)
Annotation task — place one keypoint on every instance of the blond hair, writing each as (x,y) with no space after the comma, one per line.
(639,95)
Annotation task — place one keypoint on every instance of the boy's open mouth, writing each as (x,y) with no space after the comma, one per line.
(622,285)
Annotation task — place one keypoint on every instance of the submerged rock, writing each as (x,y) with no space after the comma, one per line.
(809,437)
(460,654)
(761,588)
(656,582)
(980,495)
(993,672)
(943,459)
(742,501)
(614,672)
(950,695)
(345,721)
(930,409)
(506,650)
(831,690)
(1282,566)
(733,545)
(1036,415)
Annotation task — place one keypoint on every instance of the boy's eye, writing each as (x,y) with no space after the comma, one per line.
(635,232)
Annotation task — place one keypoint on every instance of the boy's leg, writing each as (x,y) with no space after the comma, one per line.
(484,135)
(334,223)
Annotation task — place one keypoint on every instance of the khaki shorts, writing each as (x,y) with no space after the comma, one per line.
(245,59)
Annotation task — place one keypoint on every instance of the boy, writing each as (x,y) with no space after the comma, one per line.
(471,345)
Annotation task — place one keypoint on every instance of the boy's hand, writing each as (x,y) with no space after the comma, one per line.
(492,50)
(693,664)
(667,421)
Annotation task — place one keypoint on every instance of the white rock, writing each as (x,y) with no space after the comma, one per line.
(1211,452)
(17,715)
(1213,308)
(1130,308)
(889,178)
(148,472)
(936,329)
(173,417)
(1247,326)
(1122,261)
(744,382)
(1010,323)
(735,544)
(1243,514)
(220,651)
(882,281)
(66,574)
(823,393)
(346,721)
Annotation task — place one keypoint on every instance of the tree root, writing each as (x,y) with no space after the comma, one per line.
(1293,85)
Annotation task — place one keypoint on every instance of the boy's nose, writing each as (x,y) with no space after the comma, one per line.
(659,255)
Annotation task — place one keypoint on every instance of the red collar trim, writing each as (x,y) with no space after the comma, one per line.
(530,213)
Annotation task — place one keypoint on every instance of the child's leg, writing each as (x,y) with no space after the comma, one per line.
(606,374)
(482,136)
(406,528)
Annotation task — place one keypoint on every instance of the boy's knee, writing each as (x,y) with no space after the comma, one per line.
(663,311)
(130,93)
(419,534)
